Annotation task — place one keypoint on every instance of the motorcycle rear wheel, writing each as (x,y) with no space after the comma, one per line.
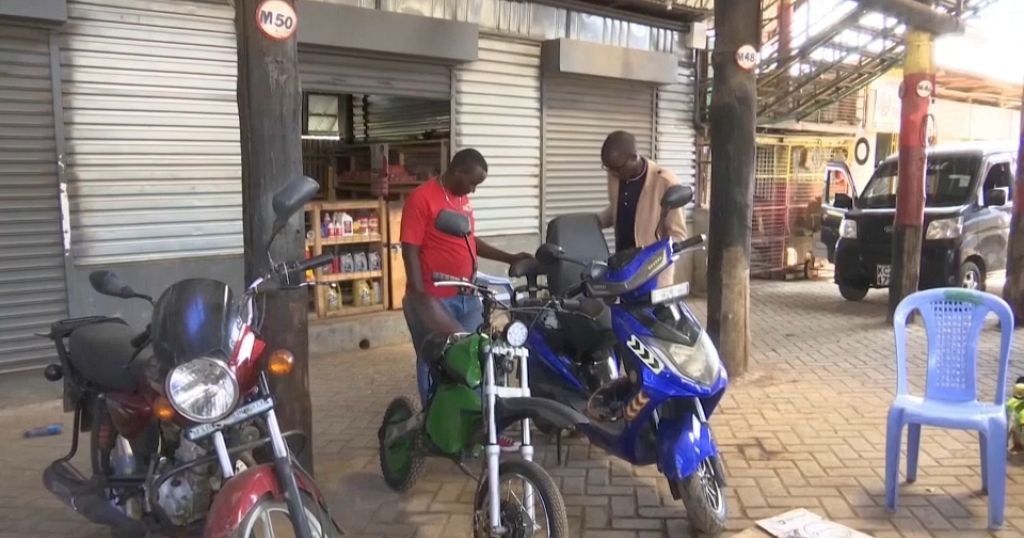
(270,518)
(401,463)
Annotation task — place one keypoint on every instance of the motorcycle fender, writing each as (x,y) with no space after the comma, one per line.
(510,410)
(682,444)
(243,491)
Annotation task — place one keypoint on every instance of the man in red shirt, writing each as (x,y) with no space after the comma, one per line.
(427,251)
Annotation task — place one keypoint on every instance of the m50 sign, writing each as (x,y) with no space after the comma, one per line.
(276,19)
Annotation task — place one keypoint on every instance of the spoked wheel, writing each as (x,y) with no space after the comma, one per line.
(704,499)
(270,519)
(401,462)
(517,479)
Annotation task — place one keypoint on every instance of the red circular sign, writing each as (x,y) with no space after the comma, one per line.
(277,19)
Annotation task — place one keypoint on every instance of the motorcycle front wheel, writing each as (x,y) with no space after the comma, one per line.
(704,498)
(270,518)
(515,477)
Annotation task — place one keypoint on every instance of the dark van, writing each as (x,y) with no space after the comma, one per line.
(968,190)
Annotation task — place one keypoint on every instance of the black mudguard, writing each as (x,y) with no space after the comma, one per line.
(508,411)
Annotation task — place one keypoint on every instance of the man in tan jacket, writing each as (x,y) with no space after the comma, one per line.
(635,187)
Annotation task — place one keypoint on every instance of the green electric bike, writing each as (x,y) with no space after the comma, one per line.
(481,387)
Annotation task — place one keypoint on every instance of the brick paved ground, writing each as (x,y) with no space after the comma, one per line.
(805,428)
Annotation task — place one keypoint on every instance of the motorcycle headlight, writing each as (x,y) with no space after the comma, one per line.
(945,228)
(699,362)
(202,390)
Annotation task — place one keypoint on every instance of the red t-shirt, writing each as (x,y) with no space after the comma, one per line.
(439,252)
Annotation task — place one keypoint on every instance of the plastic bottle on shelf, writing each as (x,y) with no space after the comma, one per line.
(347,263)
(364,224)
(374,224)
(360,263)
(377,297)
(333,297)
(346,224)
(325,228)
(309,272)
(362,293)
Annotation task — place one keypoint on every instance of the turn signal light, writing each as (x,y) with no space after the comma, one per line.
(162,409)
(280,362)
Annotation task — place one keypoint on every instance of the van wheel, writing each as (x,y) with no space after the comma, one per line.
(852,293)
(972,277)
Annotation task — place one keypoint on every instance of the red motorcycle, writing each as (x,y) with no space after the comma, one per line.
(176,432)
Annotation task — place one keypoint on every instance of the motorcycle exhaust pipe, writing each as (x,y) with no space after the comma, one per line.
(67,484)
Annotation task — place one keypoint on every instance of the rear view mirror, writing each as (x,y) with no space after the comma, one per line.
(995,197)
(452,223)
(843,201)
(676,197)
(549,253)
(293,196)
(108,283)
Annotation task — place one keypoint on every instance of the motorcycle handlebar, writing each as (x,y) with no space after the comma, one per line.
(687,244)
(313,263)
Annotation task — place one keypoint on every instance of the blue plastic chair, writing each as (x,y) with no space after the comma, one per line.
(953,319)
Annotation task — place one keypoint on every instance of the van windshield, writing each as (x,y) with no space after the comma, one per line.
(948,181)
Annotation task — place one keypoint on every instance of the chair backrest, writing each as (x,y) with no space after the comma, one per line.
(581,237)
(953,319)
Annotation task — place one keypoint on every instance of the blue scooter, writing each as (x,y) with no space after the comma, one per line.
(632,357)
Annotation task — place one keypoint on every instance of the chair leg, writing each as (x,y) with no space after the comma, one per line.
(983,443)
(893,439)
(995,444)
(913,450)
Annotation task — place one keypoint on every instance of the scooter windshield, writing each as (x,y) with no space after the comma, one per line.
(664,323)
(194,318)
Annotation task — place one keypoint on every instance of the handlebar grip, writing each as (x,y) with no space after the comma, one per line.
(571,304)
(687,243)
(313,263)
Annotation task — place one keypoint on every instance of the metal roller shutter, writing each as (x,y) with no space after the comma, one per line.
(326,70)
(32,284)
(497,111)
(579,112)
(153,154)
(676,141)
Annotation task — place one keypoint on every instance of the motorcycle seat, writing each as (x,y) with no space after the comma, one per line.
(100,352)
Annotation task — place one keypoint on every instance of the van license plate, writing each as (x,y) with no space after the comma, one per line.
(882,274)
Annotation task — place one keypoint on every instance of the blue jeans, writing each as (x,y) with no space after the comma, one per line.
(466,309)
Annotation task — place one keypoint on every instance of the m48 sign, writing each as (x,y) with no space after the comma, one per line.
(276,19)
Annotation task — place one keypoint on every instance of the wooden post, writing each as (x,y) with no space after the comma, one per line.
(269,113)
(733,107)
(1013,290)
(917,89)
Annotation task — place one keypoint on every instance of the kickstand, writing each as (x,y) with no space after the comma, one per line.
(558,449)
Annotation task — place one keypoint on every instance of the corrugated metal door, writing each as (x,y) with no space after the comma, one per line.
(676,141)
(497,111)
(32,285)
(579,113)
(153,154)
(325,70)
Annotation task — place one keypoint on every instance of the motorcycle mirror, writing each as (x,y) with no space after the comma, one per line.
(290,199)
(549,253)
(108,283)
(452,223)
(676,197)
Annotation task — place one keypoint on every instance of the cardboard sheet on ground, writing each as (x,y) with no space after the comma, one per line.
(801,523)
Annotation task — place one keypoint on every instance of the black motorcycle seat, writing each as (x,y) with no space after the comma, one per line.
(101,353)
(580,235)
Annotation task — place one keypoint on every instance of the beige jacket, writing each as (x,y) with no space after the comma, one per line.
(648,211)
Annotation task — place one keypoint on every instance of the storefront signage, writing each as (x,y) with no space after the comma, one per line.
(276,19)
(747,57)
